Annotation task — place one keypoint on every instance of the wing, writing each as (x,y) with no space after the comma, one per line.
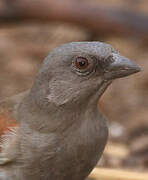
(9,125)
(8,106)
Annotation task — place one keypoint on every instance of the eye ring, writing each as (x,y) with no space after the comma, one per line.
(81,63)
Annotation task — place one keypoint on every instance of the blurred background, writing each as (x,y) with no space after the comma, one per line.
(30,29)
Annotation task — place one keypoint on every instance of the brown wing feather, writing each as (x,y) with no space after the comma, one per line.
(9,127)
(8,109)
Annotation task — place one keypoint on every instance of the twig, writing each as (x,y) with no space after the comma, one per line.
(114,174)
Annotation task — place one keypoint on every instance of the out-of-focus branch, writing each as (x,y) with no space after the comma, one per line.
(102,20)
(115,174)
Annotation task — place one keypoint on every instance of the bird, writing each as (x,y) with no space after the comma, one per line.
(59,133)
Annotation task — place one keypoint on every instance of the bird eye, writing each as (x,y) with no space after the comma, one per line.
(81,62)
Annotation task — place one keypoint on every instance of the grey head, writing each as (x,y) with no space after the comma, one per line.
(59,119)
(78,73)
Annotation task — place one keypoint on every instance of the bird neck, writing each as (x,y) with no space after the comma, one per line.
(47,118)
(56,119)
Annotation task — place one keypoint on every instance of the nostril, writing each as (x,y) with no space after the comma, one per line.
(105,63)
(119,66)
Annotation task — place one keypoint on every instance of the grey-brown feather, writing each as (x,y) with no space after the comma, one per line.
(8,106)
(62,135)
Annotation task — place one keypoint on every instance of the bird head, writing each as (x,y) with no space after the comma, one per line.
(78,73)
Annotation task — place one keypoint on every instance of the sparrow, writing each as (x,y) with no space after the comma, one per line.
(56,131)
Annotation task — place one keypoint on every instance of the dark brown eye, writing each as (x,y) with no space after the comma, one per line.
(81,63)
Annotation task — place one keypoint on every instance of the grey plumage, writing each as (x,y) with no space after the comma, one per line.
(61,134)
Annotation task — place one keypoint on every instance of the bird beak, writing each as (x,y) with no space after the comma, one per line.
(120,67)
